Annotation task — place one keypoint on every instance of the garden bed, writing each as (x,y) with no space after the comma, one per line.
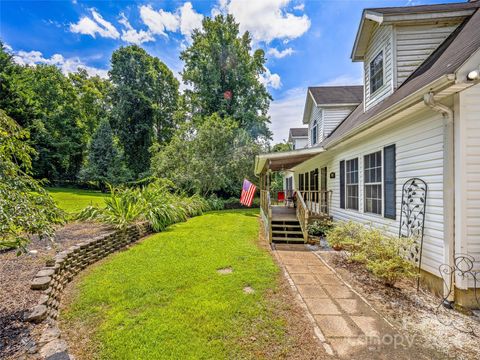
(16,297)
(413,311)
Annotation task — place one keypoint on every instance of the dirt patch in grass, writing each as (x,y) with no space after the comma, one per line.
(412,311)
(16,297)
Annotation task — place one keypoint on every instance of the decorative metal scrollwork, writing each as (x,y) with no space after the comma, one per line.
(463,268)
(412,218)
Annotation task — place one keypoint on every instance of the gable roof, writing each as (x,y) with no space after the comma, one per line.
(425,8)
(299,132)
(448,58)
(373,17)
(329,95)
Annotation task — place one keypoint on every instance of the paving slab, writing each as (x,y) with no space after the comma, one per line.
(325,306)
(337,326)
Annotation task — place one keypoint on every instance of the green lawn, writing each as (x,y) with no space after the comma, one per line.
(74,200)
(164,299)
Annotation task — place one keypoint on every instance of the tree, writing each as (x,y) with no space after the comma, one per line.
(283,146)
(212,156)
(224,76)
(144,98)
(25,207)
(105,163)
(92,99)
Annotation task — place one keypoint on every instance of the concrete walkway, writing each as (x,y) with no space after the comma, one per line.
(344,322)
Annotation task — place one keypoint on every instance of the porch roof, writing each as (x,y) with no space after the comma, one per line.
(285,160)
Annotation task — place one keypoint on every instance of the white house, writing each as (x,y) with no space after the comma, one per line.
(298,138)
(416,116)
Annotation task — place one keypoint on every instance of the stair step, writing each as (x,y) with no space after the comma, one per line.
(284,239)
(287,232)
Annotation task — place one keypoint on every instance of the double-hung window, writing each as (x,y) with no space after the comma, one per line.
(376,72)
(372,164)
(351,182)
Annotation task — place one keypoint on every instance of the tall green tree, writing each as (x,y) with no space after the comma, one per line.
(144,100)
(25,207)
(105,162)
(208,157)
(224,76)
(92,99)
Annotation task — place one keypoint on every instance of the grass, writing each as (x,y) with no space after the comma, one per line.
(75,200)
(164,299)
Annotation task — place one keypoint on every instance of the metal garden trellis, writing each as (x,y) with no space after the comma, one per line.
(412,218)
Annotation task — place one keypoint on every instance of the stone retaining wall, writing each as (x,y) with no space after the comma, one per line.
(52,279)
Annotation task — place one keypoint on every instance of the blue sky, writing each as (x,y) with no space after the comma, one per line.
(307,42)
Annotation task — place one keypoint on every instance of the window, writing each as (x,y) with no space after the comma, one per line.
(376,73)
(372,164)
(314,132)
(300,182)
(351,181)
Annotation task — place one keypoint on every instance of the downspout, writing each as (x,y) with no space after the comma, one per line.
(448,188)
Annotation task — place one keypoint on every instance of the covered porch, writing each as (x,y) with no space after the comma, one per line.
(303,203)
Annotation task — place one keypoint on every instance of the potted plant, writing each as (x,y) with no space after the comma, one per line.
(319,228)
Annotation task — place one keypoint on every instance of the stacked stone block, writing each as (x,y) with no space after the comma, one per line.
(59,271)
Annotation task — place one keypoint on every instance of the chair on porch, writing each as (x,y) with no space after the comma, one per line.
(280,197)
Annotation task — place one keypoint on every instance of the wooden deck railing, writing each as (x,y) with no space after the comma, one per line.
(302,215)
(317,202)
(265,205)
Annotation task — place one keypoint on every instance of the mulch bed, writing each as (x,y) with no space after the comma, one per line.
(16,336)
(412,311)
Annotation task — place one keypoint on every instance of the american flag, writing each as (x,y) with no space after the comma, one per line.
(248,192)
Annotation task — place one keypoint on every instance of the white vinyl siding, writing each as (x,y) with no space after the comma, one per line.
(334,116)
(414,44)
(315,115)
(419,153)
(381,40)
(468,175)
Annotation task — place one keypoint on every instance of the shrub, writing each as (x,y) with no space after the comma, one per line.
(25,206)
(347,235)
(320,227)
(215,203)
(155,203)
(383,255)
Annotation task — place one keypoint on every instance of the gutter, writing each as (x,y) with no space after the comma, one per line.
(448,190)
(395,108)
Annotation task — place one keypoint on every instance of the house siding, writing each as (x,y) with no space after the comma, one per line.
(382,39)
(468,174)
(315,114)
(414,44)
(334,116)
(419,153)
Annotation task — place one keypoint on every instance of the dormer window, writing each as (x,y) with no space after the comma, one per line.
(314,132)
(376,72)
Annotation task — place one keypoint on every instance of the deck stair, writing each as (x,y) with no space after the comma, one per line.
(285,226)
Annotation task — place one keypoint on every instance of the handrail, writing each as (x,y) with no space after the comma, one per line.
(302,215)
(317,202)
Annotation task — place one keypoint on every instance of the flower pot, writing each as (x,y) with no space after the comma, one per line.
(337,247)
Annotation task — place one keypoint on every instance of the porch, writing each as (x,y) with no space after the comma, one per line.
(289,221)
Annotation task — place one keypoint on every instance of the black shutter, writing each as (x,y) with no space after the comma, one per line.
(389,164)
(342,184)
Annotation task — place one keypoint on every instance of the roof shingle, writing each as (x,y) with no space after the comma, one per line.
(327,95)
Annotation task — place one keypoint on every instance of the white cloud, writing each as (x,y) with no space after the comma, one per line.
(159,22)
(7,47)
(267,20)
(287,112)
(189,20)
(271,80)
(97,25)
(67,65)
(344,80)
(129,34)
(280,54)
(299,7)
(185,19)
